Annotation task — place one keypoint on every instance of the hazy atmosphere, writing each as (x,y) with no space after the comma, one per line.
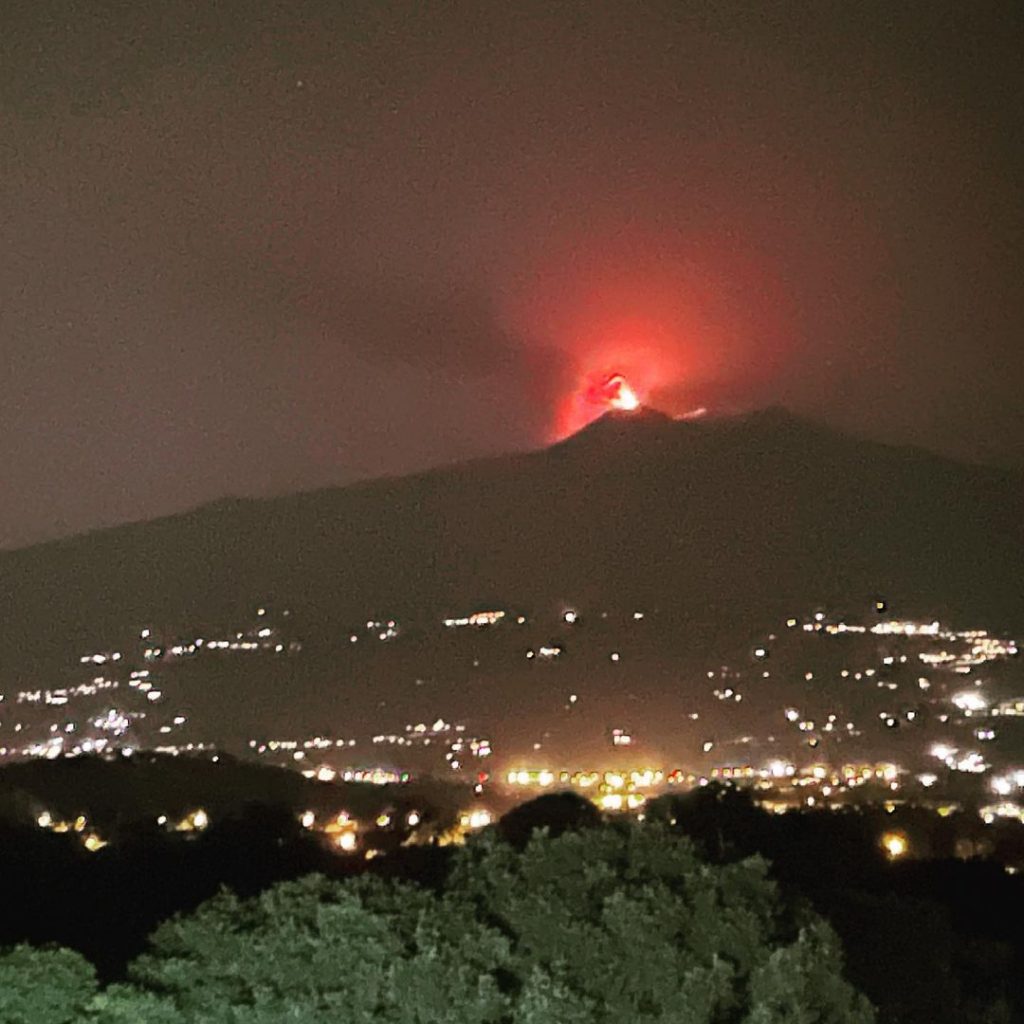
(249,249)
(512,513)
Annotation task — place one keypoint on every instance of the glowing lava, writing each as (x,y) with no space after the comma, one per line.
(617,393)
(596,395)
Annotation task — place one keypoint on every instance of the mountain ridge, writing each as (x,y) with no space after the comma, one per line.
(776,415)
(749,512)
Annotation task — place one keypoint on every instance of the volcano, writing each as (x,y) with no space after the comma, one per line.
(725,518)
(674,543)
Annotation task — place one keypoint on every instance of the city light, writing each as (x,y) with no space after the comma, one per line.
(895,845)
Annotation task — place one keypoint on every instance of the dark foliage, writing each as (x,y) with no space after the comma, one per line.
(555,812)
(596,926)
(929,941)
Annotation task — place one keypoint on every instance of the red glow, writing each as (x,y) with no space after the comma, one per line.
(689,320)
(597,394)
(616,393)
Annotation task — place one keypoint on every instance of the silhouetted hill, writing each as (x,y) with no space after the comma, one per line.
(709,518)
(138,789)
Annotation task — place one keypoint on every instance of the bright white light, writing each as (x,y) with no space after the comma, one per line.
(620,394)
(970,700)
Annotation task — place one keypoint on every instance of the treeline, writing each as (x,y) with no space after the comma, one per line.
(930,941)
(121,791)
(618,923)
(927,942)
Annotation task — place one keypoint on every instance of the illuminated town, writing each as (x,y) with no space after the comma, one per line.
(820,711)
(512,513)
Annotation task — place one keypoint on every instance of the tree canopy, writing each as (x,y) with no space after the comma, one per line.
(602,925)
(51,985)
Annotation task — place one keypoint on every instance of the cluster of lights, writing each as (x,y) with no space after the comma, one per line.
(728,694)
(62,695)
(546,652)
(475,819)
(970,761)
(621,801)
(424,734)
(1005,810)
(114,721)
(845,776)
(473,747)
(543,778)
(1009,782)
(194,821)
(970,702)
(315,743)
(971,649)
(897,627)
(475,619)
(100,659)
(379,629)
(374,776)
(177,749)
(91,839)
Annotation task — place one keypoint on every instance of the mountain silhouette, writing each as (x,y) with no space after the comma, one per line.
(714,519)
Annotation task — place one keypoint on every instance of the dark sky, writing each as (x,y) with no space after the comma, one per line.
(256,247)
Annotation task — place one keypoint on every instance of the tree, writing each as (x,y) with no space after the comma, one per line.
(125,1004)
(555,812)
(630,924)
(306,945)
(723,820)
(799,983)
(319,952)
(599,926)
(622,923)
(44,986)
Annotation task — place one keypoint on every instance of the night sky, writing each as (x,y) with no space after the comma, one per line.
(249,248)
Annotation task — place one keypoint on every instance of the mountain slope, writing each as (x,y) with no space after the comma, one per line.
(735,518)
